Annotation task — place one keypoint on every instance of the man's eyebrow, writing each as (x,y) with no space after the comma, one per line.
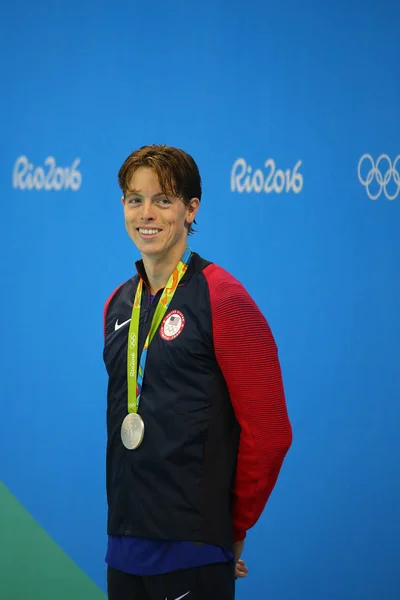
(137,193)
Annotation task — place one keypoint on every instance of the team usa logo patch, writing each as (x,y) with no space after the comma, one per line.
(172,325)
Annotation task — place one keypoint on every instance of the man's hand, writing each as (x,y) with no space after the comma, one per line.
(240,568)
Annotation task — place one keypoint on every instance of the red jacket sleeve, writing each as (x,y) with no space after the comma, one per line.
(248,357)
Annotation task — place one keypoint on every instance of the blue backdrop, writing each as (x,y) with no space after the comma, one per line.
(279,103)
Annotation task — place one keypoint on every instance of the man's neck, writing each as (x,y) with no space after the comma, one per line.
(158,269)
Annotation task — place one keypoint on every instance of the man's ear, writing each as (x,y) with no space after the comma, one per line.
(192,209)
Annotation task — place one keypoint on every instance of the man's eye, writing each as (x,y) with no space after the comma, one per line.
(133,200)
(164,201)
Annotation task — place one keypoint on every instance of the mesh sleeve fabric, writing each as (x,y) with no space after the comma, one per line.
(248,358)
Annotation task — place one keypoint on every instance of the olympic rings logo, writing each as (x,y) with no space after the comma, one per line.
(132,340)
(381,178)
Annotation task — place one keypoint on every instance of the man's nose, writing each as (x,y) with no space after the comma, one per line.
(147,211)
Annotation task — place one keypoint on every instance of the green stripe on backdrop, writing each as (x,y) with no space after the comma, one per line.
(32,565)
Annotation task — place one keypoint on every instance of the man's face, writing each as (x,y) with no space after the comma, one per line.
(155,222)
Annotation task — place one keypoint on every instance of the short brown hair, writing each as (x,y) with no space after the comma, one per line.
(177,171)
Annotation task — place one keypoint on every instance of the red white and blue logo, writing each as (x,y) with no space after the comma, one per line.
(172,325)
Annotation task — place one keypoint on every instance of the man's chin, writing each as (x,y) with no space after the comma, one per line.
(147,246)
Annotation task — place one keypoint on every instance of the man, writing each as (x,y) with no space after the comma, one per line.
(196,418)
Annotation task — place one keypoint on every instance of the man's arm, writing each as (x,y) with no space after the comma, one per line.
(248,357)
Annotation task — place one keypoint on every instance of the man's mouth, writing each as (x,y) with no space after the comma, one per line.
(148,232)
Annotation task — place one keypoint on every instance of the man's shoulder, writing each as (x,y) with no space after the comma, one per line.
(120,291)
(222,280)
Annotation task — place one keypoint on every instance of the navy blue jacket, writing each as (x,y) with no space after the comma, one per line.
(211,454)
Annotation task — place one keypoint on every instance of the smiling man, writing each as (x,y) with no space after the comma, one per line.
(196,416)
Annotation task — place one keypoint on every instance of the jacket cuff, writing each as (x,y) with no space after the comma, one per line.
(238,534)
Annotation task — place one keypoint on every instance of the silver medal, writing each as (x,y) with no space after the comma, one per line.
(132,431)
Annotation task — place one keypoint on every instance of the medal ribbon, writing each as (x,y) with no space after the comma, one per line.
(135,375)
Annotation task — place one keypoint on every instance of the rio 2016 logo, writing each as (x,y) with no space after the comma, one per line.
(243,179)
(50,177)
